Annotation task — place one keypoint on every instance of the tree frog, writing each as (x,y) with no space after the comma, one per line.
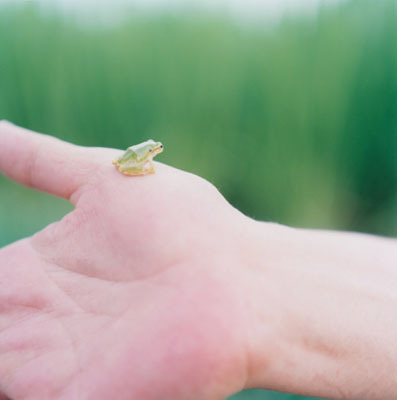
(137,159)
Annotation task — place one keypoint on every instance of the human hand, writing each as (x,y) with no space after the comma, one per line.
(135,294)
(156,288)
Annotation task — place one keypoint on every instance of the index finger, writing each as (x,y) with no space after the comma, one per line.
(42,161)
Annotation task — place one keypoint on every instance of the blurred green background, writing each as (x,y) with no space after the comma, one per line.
(294,122)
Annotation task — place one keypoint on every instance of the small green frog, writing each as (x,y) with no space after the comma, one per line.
(137,159)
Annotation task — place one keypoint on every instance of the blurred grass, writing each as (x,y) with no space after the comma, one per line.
(295,124)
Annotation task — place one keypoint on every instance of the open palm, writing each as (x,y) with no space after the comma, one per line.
(131,295)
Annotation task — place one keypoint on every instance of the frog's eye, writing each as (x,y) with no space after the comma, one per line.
(150,149)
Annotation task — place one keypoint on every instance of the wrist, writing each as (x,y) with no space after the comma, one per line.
(265,246)
(321,306)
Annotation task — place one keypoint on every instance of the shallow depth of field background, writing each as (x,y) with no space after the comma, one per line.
(294,122)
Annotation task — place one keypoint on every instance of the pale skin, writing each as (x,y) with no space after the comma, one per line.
(156,288)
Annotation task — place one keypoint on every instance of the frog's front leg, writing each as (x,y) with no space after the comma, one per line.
(149,167)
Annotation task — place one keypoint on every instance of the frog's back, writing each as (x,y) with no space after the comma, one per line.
(129,154)
(140,150)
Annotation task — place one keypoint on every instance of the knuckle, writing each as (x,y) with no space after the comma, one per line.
(4,123)
(31,167)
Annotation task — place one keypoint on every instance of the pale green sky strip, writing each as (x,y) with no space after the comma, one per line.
(245,9)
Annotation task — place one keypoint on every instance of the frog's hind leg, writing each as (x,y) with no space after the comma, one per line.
(145,169)
(131,171)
